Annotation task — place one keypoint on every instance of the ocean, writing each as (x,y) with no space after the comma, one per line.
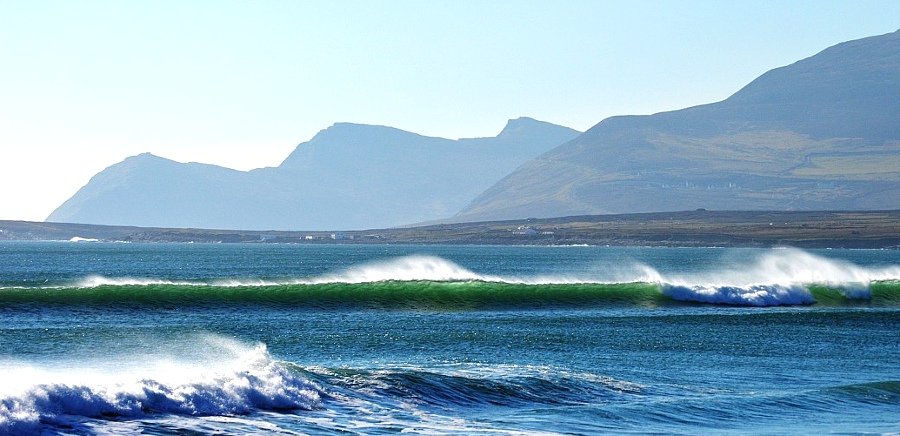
(116,338)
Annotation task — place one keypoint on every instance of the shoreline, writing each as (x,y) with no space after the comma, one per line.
(700,228)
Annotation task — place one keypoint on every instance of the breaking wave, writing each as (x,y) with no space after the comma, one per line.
(779,277)
(239,379)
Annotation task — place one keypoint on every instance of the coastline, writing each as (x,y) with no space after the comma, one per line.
(700,228)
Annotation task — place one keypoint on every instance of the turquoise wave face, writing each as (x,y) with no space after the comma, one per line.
(458,280)
(469,295)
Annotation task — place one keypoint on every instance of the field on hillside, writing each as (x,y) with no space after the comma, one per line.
(868,229)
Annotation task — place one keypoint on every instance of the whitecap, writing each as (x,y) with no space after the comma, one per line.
(232,379)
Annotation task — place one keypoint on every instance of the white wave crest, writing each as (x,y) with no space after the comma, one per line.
(776,275)
(757,295)
(407,268)
(241,380)
(248,282)
(779,277)
(96,280)
(436,269)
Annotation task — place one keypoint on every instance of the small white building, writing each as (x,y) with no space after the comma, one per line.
(525,230)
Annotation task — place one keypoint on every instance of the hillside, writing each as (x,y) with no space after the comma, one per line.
(822,133)
(348,176)
(816,229)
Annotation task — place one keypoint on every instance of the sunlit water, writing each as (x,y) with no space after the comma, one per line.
(176,338)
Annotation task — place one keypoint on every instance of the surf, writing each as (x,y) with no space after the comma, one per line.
(468,295)
(786,277)
(227,378)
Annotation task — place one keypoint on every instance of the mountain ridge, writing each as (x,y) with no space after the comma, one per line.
(348,175)
(821,133)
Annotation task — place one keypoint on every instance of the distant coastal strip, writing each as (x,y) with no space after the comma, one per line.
(699,228)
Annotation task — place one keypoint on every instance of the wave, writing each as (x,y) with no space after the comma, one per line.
(239,384)
(624,406)
(473,295)
(871,407)
(237,380)
(886,392)
(780,277)
(782,267)
(94,281)
(478,385)
(407,268)
(756,295)
(346,399)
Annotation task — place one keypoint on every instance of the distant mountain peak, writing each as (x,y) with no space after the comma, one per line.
(348,176)
(145,156)
(356,132)
(346,126)
(522,120)
(526,126)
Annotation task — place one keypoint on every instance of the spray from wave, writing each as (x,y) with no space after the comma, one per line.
(402,269)
(776,277)
(780,277)
(408,268)
(229,378)
(414,268)
(94,281)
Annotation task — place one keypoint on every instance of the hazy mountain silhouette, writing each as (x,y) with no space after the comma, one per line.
(348,176)
(822,133)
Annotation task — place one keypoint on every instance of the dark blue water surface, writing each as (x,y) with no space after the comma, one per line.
(176,338)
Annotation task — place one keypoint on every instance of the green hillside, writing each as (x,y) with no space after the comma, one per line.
(822,133)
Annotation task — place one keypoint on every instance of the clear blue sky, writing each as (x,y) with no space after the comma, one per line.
(84,84)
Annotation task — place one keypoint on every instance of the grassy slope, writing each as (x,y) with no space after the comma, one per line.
(869,229)
(819,134)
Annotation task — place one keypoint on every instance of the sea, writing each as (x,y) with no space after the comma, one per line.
(119,338)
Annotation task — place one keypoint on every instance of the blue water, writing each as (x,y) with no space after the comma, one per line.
(221,338)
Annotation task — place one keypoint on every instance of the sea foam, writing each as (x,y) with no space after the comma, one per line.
(756,295)
(242,379)
(780,277)
(94,281)
(406,268)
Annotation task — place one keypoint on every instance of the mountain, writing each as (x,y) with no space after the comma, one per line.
(822,133)
(349,176)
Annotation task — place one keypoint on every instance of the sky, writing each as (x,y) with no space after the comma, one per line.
(85,84)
